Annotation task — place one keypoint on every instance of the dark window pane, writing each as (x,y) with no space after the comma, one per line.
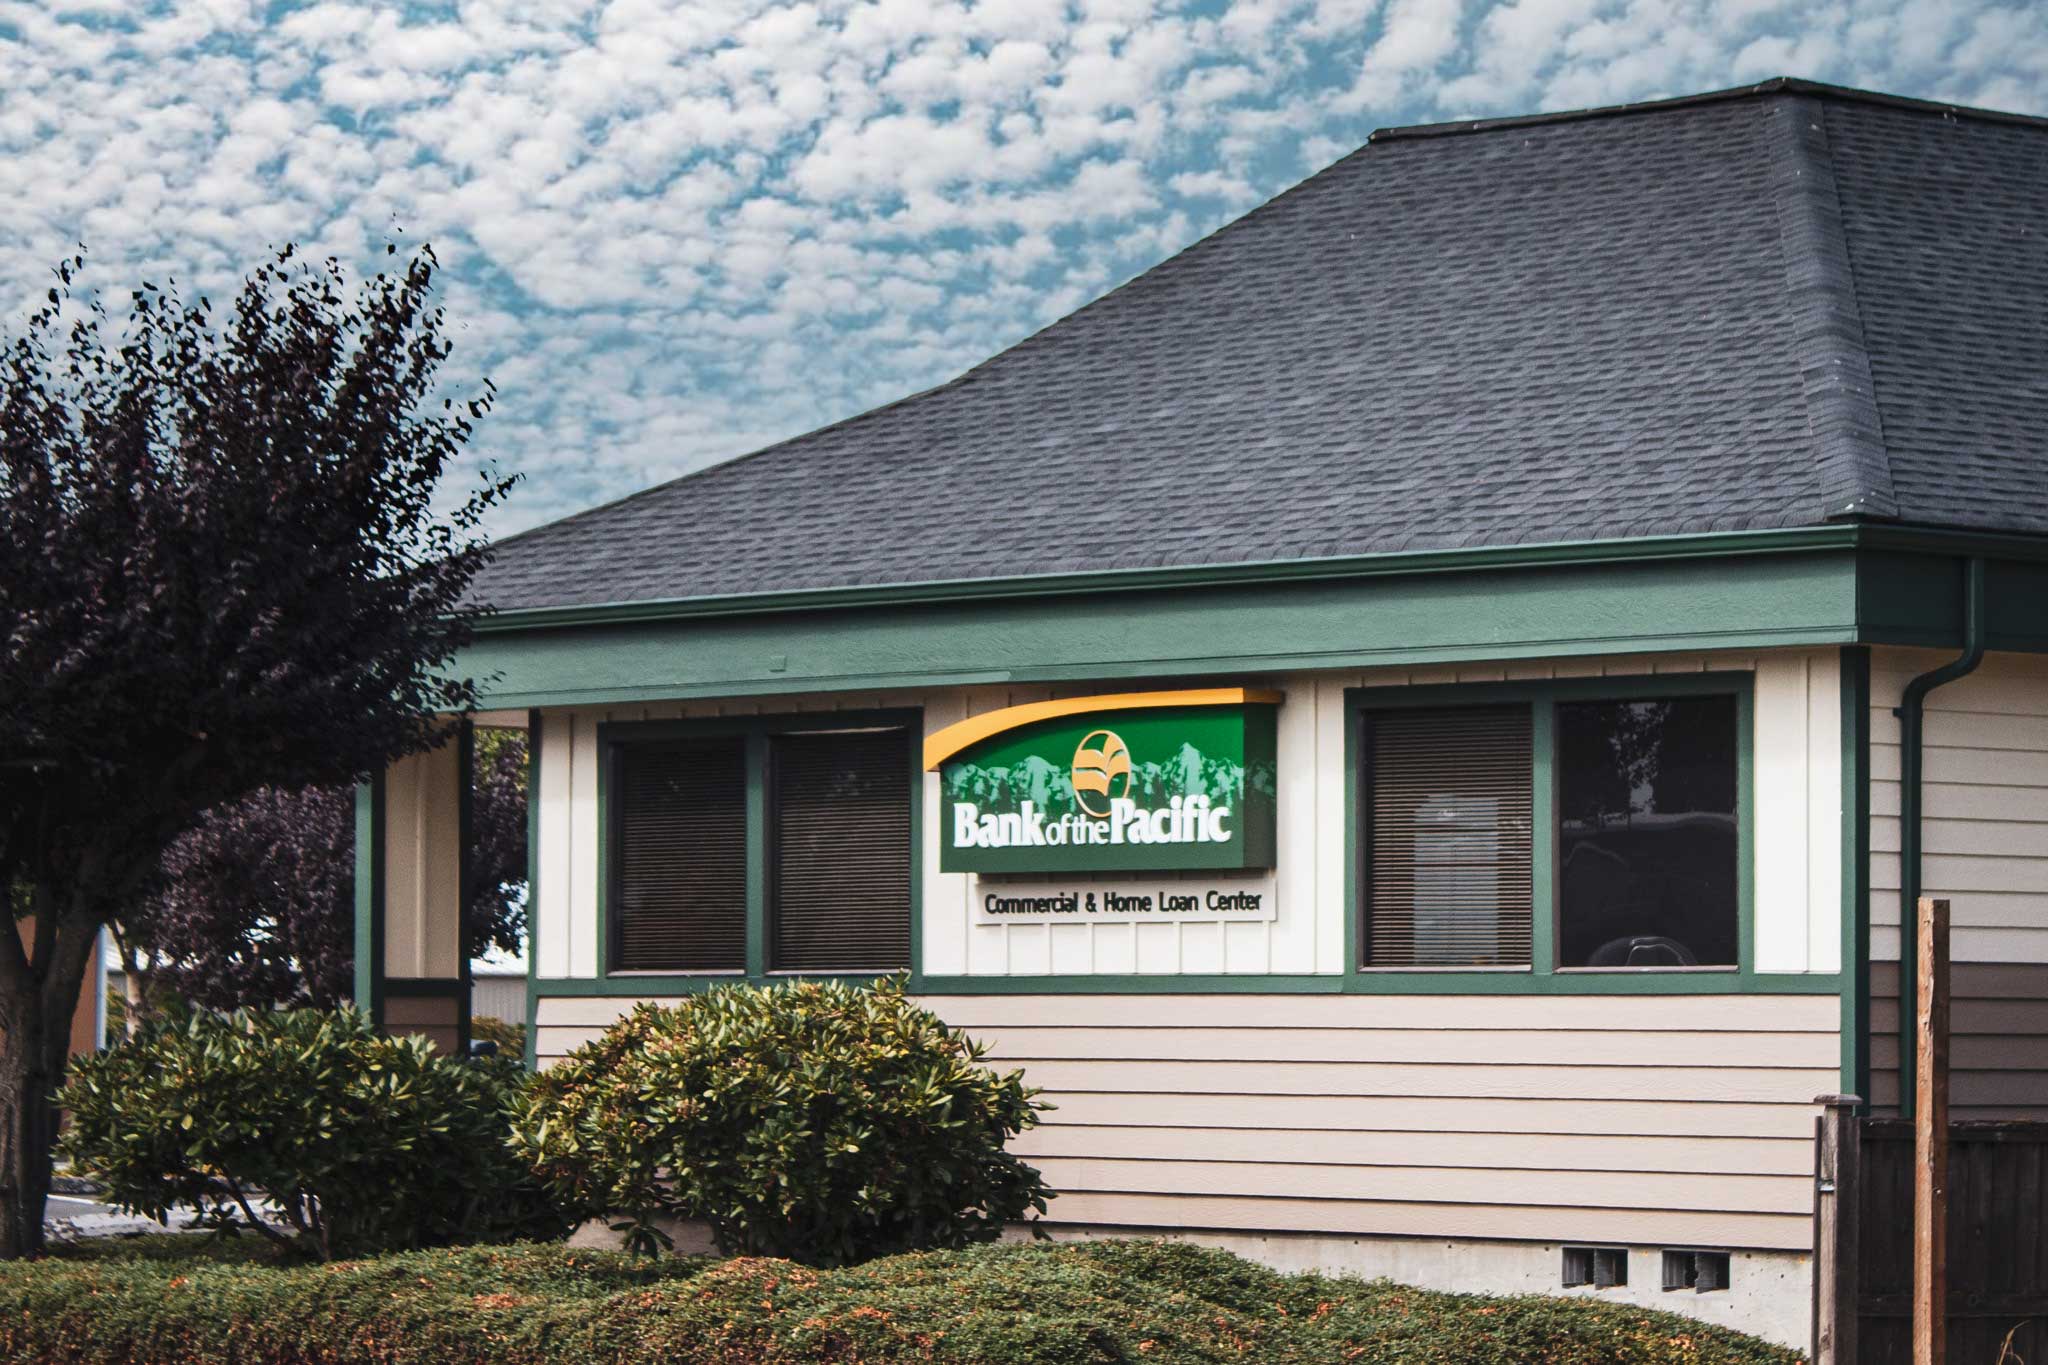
(1447,838)
(682,857)
(840,852)
(1646,837)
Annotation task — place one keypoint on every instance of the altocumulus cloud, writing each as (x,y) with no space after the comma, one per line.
(676,231)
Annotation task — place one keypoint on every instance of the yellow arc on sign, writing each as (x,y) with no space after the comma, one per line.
(1096,768)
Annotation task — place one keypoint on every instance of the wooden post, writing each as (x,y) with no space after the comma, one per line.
(1930,1141)
(1837,1240)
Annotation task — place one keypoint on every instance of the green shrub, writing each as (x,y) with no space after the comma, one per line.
(1042,1304)
(362,1142)
(817,1121)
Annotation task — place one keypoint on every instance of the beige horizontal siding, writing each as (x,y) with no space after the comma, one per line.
(1679,1085)
(1355,1147)
(1468,1046)
(1393,1218)
(1998,1046)
(1682,1119)
(1984,831)
(1433,1184)
(1436,1116)
(1553,1013)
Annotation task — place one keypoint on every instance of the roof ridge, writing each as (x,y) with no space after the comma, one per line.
(1777,85)
(1827,318)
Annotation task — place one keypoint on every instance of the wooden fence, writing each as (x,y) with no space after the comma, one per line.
(1997,1241)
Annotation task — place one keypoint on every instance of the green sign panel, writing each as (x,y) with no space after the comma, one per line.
(1165,789)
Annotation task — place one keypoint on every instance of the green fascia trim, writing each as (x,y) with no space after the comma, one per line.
(1710,544)
(369,896)
(1733,602)
(1855,702)
(755,730)
(1542,975)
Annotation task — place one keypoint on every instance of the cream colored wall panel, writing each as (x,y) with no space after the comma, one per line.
(1201,949)
(988,949)
(1479,1151)
(1247,947)
(945,913)
(1288,944)
(2011,768)
(1567,1013)
(1158,947)
(1824,890)
(1684,1085)
(1606,1226)
(1444,1184)
(1330,838)
(583,832)
(1781,834)
(1471,1046)
(1029,949)
(1430,1115)
(1116,949)
(1072,948)
(422,865)
(550,944)
(402,868)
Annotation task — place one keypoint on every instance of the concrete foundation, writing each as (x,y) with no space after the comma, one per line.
(1770,1293)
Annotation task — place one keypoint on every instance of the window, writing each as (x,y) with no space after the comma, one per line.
(842,851)
(1580,825)
(758,846)
(1646,833)
(1448,837)
(682,852)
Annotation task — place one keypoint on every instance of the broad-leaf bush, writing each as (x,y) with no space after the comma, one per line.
(359,1142)
(818,1121)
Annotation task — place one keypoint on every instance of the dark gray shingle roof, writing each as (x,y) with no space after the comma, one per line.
(1767,308)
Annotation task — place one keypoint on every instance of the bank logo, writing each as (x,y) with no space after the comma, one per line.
(1101,773)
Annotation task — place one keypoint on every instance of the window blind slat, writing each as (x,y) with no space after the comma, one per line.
(841,852)
(682,851)
(1449,837)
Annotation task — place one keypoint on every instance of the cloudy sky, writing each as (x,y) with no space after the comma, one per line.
(676,231)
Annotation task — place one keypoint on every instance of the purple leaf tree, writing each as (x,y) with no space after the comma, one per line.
(227,562)
(256,904)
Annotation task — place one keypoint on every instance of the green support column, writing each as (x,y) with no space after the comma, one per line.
(369,967)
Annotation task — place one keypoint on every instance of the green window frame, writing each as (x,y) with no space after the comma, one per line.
(1543,972)
(756,732)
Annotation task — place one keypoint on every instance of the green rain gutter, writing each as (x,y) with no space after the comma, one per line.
(1912,715)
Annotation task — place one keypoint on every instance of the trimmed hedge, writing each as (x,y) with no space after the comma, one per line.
(1009,1304)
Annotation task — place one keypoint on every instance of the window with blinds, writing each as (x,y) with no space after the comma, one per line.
(681,844)
(1448,839)
(839,851)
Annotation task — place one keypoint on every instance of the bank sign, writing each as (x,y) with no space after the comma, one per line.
(1145,782)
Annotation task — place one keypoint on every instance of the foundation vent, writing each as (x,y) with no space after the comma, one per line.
(1700,1271)
(1601,1267)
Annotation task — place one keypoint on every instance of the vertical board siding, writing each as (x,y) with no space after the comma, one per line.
(1684,1121)
(422,872)
(1984,834)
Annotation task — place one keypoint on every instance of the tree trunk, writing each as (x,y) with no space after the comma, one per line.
(29,1077)
(35,1049)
